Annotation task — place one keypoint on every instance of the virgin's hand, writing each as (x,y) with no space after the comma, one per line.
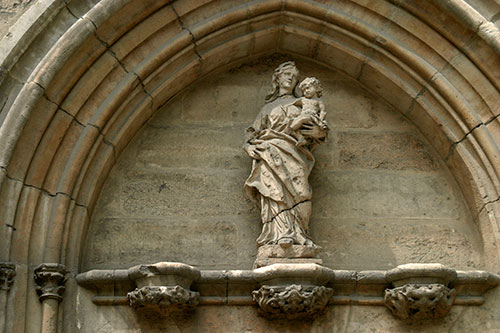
(313,131)
(253,151)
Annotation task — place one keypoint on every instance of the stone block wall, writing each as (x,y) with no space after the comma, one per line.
(381,196)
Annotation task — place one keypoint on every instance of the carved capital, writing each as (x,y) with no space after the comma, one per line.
(163,298)
(7,273)
(50,279)
(420,301)
(292,301)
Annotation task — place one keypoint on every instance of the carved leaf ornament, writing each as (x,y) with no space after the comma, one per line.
(163,298)
(420,301)
(292,301)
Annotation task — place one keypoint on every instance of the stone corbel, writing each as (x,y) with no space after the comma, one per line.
(292,291)
(287,290)
(163,287)
(420,291)
(7,273)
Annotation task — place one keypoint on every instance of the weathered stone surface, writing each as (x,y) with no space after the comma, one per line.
(363,194)
(222,242)
(294,251)
(10,11)
(294,254)
(191,138)
(261,262)
(184,192)
(387,243)
(384,151)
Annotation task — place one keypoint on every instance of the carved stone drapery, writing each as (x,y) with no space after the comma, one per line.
(50,279)
(292,301)
(420,301)
(7,273)
(163,298)
(280,142)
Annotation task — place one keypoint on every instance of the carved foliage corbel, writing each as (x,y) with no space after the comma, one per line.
(420,301)
(163,298)
(163,287)
(420,291)
(291,301)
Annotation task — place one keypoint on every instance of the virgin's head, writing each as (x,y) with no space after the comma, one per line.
(284,80)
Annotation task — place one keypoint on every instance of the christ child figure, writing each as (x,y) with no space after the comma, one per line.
(313,109)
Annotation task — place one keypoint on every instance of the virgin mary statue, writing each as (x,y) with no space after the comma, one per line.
(279,181)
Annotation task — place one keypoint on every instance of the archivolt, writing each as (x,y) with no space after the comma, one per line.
(82,78)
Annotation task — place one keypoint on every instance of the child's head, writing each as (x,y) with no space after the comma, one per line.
(311,87)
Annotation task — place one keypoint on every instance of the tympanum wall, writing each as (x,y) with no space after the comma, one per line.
(382,196)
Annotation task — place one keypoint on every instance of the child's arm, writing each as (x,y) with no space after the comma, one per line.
(322,112)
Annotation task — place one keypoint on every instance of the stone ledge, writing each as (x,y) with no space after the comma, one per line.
(223,287)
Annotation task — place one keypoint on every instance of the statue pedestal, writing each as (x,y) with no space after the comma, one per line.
(293,254)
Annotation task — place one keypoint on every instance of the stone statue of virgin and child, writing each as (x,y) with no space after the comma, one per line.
(281,141)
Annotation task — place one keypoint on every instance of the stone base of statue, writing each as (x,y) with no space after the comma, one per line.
(293,254)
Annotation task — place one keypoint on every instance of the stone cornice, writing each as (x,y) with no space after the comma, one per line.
(350,287)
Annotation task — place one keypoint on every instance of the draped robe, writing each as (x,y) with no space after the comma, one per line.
(279,177)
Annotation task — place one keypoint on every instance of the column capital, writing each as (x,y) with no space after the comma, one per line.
(50,278)
(7,273)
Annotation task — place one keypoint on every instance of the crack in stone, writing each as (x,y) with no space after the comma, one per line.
(10,226)
(486,204)
(492,119)
(77,121)
(455,144)
(109,143)
(69,10)
(113,54)
(43,190)
(476,30)
(3,106)
(38,84)
(286,210)
(419,94)
(193,39)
